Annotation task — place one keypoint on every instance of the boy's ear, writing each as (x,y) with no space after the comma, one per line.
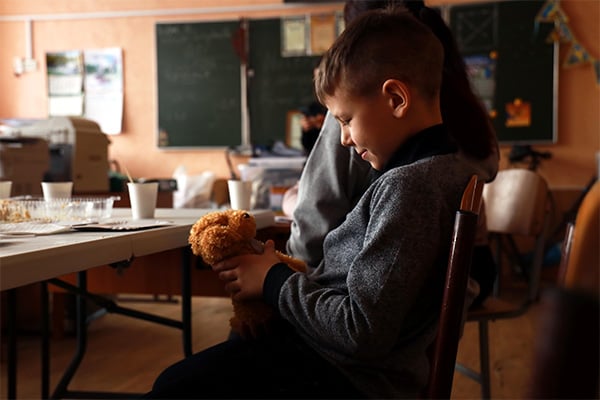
(399,96)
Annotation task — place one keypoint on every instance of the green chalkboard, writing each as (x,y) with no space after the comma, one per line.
(199,90)
(514,70)
(198,82)
(513,67)
(276,84)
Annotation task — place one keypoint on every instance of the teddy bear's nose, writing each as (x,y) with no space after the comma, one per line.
(245,215)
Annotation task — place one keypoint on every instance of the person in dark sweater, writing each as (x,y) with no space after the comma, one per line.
(359,324)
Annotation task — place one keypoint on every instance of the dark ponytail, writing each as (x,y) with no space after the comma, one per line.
(462,111)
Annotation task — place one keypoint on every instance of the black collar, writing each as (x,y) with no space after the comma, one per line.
(431,141)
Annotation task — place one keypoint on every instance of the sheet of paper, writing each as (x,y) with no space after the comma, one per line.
(31,228)
(104,88)
(65,105)
(107,110)
(123,225)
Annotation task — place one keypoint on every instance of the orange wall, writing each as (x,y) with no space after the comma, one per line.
(573,160)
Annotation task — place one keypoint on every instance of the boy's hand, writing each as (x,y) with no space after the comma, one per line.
(245,274)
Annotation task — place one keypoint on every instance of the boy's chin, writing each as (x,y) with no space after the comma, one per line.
(376,165)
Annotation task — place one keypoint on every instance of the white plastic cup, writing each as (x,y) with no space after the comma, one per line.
(5,187)
(143,199)
(57,190)
(240,194)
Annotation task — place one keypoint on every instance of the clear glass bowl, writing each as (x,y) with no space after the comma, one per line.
(57,210)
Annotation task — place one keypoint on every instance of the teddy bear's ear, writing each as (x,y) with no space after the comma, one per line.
(211,219)
(214,218)
(214,244)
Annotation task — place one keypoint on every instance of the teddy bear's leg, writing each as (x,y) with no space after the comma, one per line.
(252,318)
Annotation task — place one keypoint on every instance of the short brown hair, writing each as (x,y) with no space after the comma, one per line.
(381,45)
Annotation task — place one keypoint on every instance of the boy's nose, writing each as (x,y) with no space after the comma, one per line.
(345,138)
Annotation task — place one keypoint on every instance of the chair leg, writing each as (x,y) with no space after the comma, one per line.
(484,359)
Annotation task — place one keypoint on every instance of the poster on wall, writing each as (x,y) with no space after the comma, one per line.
(65,83)
(103,85)
(87,83)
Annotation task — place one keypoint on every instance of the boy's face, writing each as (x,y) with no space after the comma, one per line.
(368,124)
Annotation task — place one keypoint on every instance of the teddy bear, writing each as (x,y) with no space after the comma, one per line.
(222,234)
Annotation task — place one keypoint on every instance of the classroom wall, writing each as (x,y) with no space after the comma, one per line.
(572,164)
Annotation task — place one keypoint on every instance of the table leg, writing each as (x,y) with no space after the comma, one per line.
(186,300)
(81,329)
(185,325)
(11,320)
(45,330)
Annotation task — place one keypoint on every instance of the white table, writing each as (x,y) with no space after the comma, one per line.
(25,260)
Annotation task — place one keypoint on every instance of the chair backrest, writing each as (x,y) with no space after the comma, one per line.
(581,249)
(565,251)
(517,204)
(445,347)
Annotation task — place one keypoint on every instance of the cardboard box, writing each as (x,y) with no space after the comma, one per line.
(90,167)
(78,153)
(24,161)
(78,150)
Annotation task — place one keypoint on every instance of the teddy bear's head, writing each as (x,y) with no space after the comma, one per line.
(222,234)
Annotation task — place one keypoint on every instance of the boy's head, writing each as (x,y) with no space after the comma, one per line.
(354,8)
(381,80)
(380,45)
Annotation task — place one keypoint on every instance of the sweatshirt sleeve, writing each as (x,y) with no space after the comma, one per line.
(275,278)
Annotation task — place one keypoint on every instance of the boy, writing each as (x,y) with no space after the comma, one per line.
(358,325)
(334,177)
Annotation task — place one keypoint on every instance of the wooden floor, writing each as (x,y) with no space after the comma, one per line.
(125,355)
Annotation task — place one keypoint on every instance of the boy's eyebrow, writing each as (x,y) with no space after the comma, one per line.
(339,117)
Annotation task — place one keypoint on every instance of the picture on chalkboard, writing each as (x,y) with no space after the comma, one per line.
(476,27)
(293,130)
(482,75)
(322,33)
(518,114)
(294,33)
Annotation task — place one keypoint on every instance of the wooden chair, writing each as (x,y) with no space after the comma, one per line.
(580,260)
(516,205)
(566,361)
(443,355)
